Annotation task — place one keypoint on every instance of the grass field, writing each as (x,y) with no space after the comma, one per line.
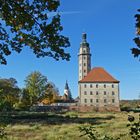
(66,126)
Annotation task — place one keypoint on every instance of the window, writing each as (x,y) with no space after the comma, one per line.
(91,100)
(104,92)
(97,101)
(84,58)
(104,86)
(113,100)
(105,100)
(85,93)
(96,85)
(84,51)
(84,64)
(84,70)
(85,85)
(112,86)
(90,85)
(97,93)
(85,100)
(91,93)
(113,93)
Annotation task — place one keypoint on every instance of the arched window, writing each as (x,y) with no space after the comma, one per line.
(113,100)
(97,93)
(105,100)
(85,93)
(113,93)
(97,101)
(91,100)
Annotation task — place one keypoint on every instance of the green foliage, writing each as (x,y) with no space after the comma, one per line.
(51,94)
(35,86)
(134,128)
(9,94)
(71,114)
(29,23)
(92,134)
(3,134)
(136,51)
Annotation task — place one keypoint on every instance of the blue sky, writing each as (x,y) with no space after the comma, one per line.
(110,28)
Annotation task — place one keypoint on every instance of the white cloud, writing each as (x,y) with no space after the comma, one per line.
(64,13)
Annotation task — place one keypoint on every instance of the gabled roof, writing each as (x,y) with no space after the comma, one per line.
(98,74)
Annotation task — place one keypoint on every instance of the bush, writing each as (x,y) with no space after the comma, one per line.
(3,134)
(71,115)
(134,128)
(92,134)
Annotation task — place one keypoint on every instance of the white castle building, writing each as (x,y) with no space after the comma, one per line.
(97,88)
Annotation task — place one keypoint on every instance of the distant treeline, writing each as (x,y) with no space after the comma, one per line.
(130,105)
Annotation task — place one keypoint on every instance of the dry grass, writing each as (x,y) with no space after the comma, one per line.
(112,124)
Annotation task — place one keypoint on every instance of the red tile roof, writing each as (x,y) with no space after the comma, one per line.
(98,74)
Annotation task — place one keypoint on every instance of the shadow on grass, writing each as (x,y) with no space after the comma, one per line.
(50,118)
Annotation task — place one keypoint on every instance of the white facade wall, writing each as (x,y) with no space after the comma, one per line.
(84,65)
(107,94)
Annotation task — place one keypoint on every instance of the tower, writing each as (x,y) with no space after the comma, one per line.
(67,92)
(84,58)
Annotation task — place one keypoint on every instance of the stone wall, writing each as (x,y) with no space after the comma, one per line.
(94,109)
(78,108)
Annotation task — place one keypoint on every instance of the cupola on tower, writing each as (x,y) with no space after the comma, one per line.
(84,58)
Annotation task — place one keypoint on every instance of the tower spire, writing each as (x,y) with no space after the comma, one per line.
(84,38)
(66,85)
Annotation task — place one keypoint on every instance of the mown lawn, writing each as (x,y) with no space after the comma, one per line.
(44,126)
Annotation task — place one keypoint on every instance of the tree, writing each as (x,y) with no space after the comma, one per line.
(9,93)
(35,86)
(24,100)
(136,51)
(51,95)
(27,23)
